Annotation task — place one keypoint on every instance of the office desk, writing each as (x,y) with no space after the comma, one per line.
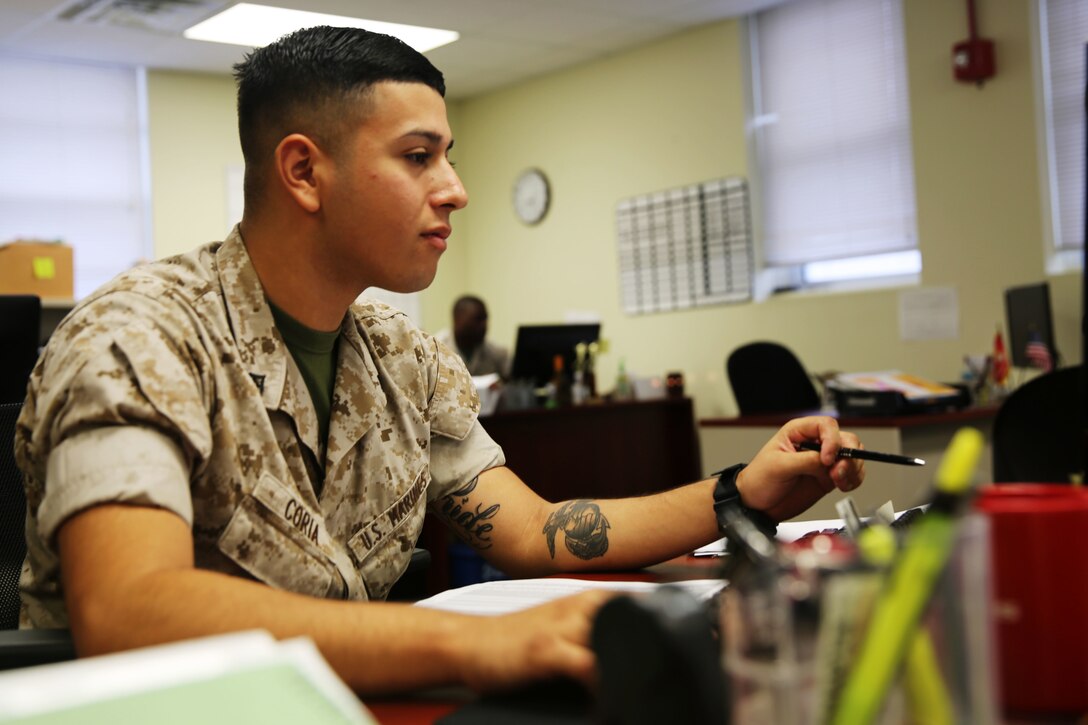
(725,441)
(605,450)
(431,705)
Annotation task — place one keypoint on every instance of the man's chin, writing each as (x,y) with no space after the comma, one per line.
(411,286)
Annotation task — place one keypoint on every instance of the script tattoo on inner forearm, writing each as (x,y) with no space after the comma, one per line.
(584,527)
(472,526)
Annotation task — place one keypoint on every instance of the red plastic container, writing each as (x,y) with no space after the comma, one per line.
(1039,537)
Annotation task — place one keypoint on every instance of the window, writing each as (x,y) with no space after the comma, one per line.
(76,163)
(1063,26)
(831,132)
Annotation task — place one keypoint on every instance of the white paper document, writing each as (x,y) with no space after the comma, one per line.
(930,313)
(506,596)
(787,531)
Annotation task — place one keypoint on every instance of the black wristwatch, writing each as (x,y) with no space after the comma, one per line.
(726,494)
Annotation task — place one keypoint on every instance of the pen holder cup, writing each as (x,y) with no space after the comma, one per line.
(790,637)
(1039,533)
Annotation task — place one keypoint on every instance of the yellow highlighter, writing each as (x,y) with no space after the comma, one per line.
(927,697)
(909,586)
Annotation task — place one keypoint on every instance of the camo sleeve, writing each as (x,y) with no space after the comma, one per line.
(118,412)
(460,448)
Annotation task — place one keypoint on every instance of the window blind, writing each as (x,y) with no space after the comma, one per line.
(832,130)
(1064,27)
(75,163)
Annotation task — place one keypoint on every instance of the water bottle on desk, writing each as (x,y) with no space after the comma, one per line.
(622,390)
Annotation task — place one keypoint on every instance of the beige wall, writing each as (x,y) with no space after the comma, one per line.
(672,113)
(193,133)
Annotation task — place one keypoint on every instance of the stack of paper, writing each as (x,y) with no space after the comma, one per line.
(505,596)
(911,387)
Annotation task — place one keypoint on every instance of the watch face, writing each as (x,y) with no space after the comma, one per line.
(531,196)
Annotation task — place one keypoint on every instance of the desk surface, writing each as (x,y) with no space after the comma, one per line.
(966,415)
(431,705)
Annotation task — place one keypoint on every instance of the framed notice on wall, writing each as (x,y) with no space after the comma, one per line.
(685,247)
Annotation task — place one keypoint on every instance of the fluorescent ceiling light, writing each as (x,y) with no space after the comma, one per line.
(257,25)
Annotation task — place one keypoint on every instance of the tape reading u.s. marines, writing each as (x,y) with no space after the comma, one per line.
(388,521)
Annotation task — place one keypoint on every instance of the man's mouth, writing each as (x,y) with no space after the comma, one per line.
(437,237)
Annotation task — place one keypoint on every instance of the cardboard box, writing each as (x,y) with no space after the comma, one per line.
(36,268)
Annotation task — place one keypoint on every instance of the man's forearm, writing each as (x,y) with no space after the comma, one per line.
(361,640)
(120,596)
(628,533)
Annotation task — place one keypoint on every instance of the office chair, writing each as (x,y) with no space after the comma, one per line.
(768,378)
(20,322)
(1039,431)
(19,647)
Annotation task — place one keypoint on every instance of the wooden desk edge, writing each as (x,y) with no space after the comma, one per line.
(775,420)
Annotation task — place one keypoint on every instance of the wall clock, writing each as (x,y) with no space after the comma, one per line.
(532,195)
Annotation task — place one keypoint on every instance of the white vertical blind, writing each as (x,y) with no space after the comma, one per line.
(73,163)
(832,130)
(1064,25)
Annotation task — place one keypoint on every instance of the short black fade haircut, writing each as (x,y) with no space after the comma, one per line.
(311,82)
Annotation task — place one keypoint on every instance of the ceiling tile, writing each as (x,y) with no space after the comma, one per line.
(503,41)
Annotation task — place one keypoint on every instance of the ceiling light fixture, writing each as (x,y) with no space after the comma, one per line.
(257,25)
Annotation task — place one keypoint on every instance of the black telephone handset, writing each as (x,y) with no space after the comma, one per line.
(659,660)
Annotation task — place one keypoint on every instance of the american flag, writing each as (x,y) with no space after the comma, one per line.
(1039,354)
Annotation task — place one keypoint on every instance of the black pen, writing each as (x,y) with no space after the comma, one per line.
(864,455)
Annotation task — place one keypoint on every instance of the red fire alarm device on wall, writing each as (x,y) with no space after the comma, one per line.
(973,59)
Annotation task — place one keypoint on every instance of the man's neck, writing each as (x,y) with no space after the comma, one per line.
(290,277)
(466,348)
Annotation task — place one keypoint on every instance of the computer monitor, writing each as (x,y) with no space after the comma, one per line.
(20,320)
(1084,278)
(1027,312)
(537,346)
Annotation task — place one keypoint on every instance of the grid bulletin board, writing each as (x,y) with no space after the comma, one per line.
(685,247)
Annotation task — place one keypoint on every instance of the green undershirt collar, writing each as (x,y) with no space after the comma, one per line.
(314,352)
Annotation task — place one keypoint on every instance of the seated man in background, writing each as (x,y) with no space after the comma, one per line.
(225,440)
(469,339)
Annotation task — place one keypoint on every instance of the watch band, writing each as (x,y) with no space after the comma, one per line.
(726,494)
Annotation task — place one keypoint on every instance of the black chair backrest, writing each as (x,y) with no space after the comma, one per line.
(768,378)
(20,327)
(12,519)
(1039,430)
(19,647)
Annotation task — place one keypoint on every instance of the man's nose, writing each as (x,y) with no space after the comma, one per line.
(451,191)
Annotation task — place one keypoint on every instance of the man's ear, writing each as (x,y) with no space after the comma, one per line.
(297,158)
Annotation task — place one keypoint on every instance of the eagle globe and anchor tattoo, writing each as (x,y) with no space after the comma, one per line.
(584,527)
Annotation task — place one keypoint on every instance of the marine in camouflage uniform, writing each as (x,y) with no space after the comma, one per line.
(171,387)
(171,390)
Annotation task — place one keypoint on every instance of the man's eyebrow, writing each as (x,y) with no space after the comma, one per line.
(430,136)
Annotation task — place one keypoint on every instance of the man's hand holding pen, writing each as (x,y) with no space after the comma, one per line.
(782,481)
